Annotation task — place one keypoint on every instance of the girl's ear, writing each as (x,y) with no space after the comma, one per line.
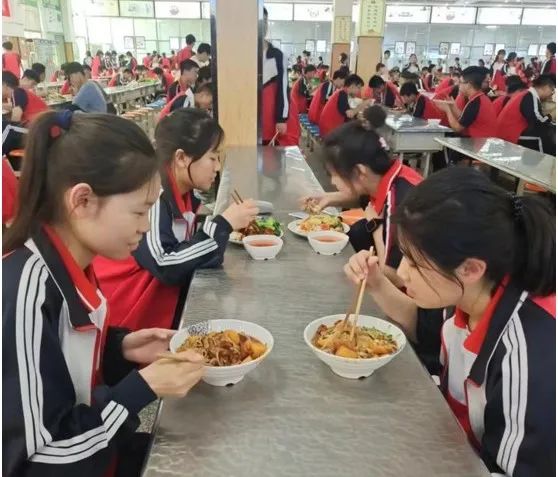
(361,171)
(471,270)
(181,160)
(80,201)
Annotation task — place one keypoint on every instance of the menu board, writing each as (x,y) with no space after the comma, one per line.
(138,9)
(372,14)
(313,12)
(342,27)
(51,13)
(499,16)
(407,14)
(443,49)
(458,15)
(105,8)
(177,10)
(399,47)
(538,16)
(280,11)
(410,48)
(455,48)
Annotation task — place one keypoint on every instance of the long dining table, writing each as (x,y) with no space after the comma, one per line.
(292,416)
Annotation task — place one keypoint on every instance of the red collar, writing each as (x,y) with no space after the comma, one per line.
(387,179)
(84,280)
(478,94)
(474,341)
(183,202)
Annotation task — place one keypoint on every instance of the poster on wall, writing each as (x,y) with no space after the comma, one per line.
(488,49)
(410,48)
(372,18)
(140,42)
(455,48)
(51,12)
(542,50)
(309,46)
(399,47)
(342,29)
(137,9)
(129,42)
(466,52)
(443,49)
(533,49)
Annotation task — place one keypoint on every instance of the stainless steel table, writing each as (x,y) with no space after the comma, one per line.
(121,95)
(292,416)
(406,134)
(525,164)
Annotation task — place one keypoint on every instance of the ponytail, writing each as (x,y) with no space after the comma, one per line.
(111,154)
(458,213)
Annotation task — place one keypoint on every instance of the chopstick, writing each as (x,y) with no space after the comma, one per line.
(359,301)
(272,142)
(352,306)
(238,196)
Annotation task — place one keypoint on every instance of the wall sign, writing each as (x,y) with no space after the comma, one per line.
(342,27)
(372,15)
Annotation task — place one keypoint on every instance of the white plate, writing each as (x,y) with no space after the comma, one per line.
(239,242)
(294,228)
(264,206)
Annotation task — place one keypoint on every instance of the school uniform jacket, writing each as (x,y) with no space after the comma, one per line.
(444,84)
(426,109)
(478,117)
(29,102)
(11,61)
(334,113)
(275,98)
(522,112)
(389,97)
(175,88)
(185,99)
(549,66)
(500,379)
(300,95)
(59,415)
(393,188)
(148,289)
(319,100)
(499,103)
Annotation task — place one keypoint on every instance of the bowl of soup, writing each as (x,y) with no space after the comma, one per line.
(263,247)
(327,242)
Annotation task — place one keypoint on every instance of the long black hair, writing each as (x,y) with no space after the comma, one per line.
(63,150)
(458,213)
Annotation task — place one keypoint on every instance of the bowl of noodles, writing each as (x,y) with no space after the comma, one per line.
(231,348)
(376,343)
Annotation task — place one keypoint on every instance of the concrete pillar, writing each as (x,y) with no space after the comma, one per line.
(341,31)
(370,36)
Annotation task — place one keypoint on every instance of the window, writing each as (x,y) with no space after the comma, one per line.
(177,10)
(206,10)
(538,16)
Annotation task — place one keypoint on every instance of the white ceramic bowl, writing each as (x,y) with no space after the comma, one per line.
(355,368)
(434,122)
(265,252)
(328,248)
(225,375)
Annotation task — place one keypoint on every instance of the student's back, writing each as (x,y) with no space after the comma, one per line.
(480,107)
(90,99)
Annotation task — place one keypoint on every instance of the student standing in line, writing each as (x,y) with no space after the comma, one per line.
(412,66)
(11,61)
(344,62)
(478,118)
(514,85)
(188,76)
(97,63)
(149,288)
(188,51)
(323,94)
(300,92)
(202,99)
(549,65)
(360,165)
(480,310)
(337,110)
(522,115)
(498,62)
(203,55)
(388,60)
(71,388)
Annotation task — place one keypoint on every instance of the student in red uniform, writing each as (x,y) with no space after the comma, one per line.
(9,193)
(514,85)
(478,118)
(201,99)
(428,80)
(325,91)
(480,277)
(383,92)
(187,52)
(11,61)
(71,400)
(40,69)
(188,76)
(165,62)
(549,65)
(300,93)
(360,165)
(97,64)
(149,288)
(203,55)
(420,106)
(29,80)
(450,81)
(132,62)
(172,58)
(147,60)
(122,78)
(25,104)
(522,115)
(337,109)
(165,77)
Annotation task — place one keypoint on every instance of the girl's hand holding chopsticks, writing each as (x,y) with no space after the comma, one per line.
(363,266)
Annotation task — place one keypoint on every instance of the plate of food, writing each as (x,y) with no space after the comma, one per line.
(231,348)
(375,343)
(317,223)
(258,226)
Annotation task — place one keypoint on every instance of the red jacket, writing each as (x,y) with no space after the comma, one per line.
(484,124)
(549,66)
(95,67)
(185,54)
(11,61)
(511,123)
(426,109)
(499,103)
(35,105)
(9,192)
(318,102)
(331,117)
(298,96)
(444,84)
(499,81)
(66,88)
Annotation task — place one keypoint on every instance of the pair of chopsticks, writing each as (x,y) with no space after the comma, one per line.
(272,142)
(356,304)
(236,197)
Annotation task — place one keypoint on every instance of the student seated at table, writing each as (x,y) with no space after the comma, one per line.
(420,105)
(188,76)
(480,305)
(72,393)
(360,165)
(522,116)
(322,72)
(382,92)
(165,77)
(514,86)
(149,288)
(201,99)
(477,119)
(300,92)
(337,110)
(122,78)
(395,76)
(29,80)
(427,80)
(25,104)
(322,95)
(89,96)
(40,69)
(448,82)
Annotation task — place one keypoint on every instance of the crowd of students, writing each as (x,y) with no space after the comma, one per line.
(106,237)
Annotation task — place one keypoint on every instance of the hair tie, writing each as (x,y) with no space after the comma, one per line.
(517,207)
(62,120)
